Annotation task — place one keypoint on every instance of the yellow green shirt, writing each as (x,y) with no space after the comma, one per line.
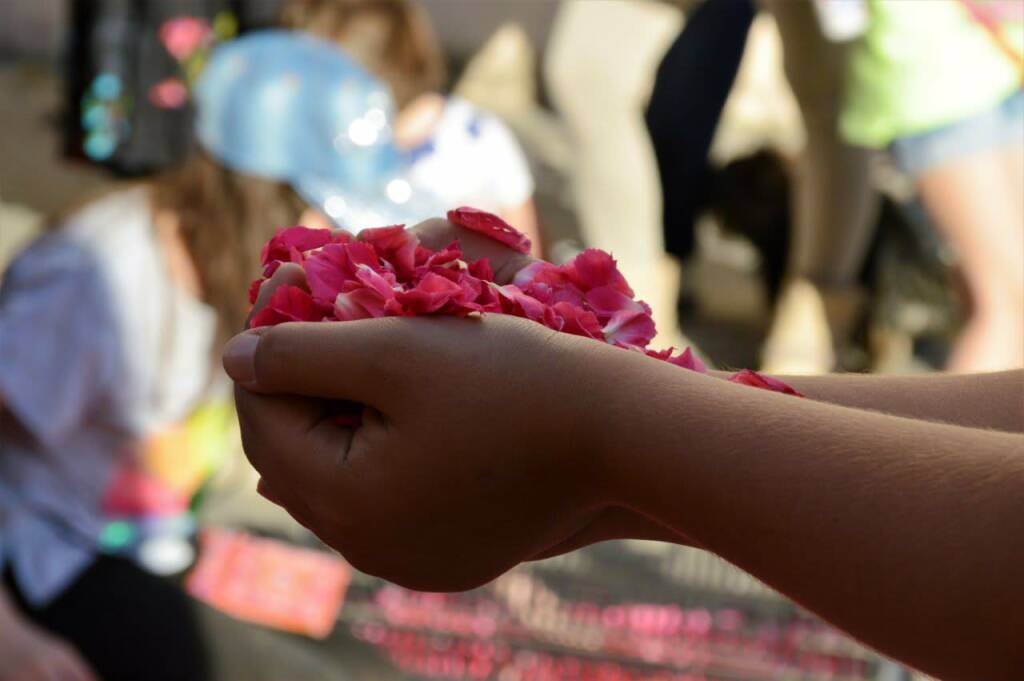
(922,64)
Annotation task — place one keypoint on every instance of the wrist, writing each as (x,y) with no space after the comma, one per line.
(623,407)
(665,421)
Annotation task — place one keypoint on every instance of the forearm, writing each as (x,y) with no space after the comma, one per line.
(905,533)
(993,400)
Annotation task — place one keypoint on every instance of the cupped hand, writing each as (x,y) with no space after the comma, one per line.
(477,446)
(476,450)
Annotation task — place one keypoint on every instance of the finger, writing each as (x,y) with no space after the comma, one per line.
(505,262)
(288,274)
(358,360)
(293,443)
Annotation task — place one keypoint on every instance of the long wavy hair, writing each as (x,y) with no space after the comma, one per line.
(393,39)
(224,218)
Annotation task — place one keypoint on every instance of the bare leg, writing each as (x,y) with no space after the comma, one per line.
(978,204)
(600,64)
(835,204)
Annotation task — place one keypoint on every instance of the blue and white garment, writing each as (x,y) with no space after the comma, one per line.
(472,159)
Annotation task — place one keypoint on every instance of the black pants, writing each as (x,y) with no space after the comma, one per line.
(128,624)
(690,89)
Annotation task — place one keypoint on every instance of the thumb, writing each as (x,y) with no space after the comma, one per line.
(437,233)
(357,361)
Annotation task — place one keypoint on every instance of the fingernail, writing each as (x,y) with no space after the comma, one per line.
(240,358)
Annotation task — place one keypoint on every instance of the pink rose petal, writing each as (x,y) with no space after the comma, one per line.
(593,268)
(287,243)
(756,380)
(490,225)
(690,361)
(394,244)
(686,360)
(182,35)
(288,304)
(428,296)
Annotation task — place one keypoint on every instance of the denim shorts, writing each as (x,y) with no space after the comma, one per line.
(999,126)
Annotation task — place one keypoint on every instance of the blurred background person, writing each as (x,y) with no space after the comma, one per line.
(834,206)
(460,153)
(939,84)
(692,84)
(113,410)
(599,68)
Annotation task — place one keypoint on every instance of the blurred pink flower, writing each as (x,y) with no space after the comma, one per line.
(182,35)
(169,93)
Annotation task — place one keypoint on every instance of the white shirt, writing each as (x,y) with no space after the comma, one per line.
(472,159)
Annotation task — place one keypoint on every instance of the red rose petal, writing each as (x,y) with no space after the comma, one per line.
(686,360)
(291,240)
(756,380)
(594,268)
(254,290)
(431,294)
(690,361)
(490,225)
(394,244)
(288,304)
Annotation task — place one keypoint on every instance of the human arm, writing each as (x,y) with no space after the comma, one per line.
(993,400)
(989,400)
(901,532)
(499,435)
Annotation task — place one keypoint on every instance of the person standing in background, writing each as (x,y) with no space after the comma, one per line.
(834,204)
(599,67)
(939,85)
(692,85)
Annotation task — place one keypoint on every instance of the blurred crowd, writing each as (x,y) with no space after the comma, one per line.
(802,185)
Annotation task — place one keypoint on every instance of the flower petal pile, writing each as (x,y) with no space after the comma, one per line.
(386,272)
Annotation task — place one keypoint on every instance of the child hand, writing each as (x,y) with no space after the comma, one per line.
(610,523)
(475,451)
